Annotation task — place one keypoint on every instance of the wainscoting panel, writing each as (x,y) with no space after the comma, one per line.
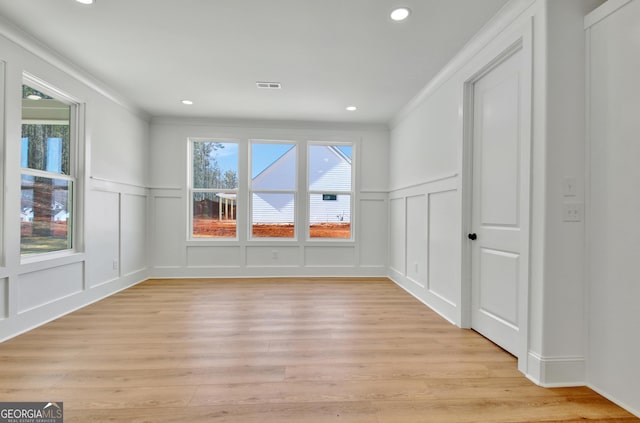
(42,287)
(4,298)
(103,237)
(213,257)
(169,237)
(444,235)
(133,233)
(424,244)
(372,232)
(330,256)
(273,256)
(417,239)
(397,235)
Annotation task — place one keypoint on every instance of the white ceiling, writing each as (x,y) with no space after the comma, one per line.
(327,54)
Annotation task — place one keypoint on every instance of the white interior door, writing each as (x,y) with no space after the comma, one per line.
(500,203)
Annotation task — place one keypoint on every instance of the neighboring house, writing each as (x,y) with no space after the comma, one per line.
(329,173)
(26,215)
(59,211)
(61,216)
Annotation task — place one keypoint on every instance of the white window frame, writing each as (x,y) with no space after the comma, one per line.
(293,191)
(76,114)
(192,190)
(351,193)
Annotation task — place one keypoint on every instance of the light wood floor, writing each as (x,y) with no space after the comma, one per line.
(277,351)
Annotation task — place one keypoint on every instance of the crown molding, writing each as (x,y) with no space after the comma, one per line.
(492,29)
(603,11)
(270,124)
(38,48)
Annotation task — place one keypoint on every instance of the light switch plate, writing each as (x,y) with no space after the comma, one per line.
(569,186)
(572,212)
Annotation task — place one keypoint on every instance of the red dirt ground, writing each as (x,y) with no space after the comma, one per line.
(203,227)
(272,231)
(330,230)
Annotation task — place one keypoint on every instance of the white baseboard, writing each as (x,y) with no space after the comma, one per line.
(26,321)
(633,410)
(165,272)
(556,372)
(412,289)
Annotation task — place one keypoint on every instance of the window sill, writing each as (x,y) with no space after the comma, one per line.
(326,242)
(44,261)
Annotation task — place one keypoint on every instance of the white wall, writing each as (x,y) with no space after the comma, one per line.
(614,203)
(425,214)
(112,198)
(561,286)
(174,255)
(408,215)
(426,163)
(426,171)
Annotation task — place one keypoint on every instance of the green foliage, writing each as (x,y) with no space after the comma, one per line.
(27,90)
(206,169)
(230,179)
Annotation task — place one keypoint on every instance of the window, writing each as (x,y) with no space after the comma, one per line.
(214,189)
(48,176)
(273,189)
(330,175)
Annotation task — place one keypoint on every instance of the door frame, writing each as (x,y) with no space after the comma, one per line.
(520,40)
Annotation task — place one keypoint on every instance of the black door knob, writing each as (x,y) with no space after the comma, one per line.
(472,237)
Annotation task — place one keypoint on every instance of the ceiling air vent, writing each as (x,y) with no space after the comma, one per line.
(268,85)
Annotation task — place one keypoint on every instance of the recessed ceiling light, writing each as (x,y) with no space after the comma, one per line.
(400,14)
(187,102)
(352,108)
(34,97)
(86,1)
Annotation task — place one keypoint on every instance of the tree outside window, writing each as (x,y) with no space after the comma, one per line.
(214,189)
(47,173)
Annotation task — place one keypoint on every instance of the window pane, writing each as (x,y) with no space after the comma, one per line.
(214,215)
(329,216)
(45,133)
(215,165)
(273,215)
(329,168)
(45,215)
(273,167)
